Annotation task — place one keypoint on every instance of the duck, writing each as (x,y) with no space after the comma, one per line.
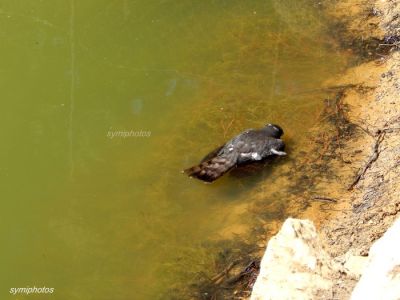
(252,145)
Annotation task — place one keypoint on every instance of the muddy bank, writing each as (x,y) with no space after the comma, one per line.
(364,198)
(372,201)
(373,106)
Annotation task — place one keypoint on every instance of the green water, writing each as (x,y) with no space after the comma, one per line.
(96,217)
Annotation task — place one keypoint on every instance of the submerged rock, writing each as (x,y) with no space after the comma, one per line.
(295,265)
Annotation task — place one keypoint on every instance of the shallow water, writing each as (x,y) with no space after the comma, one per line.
(98,216)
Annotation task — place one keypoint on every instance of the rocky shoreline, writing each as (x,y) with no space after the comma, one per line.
(369,198)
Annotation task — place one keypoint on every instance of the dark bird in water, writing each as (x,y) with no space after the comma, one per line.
(250,146)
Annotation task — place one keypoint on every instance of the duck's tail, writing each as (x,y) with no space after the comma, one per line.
(213,168)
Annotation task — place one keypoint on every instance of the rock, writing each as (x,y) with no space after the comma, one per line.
(381,278)
(353,263)
(295,265)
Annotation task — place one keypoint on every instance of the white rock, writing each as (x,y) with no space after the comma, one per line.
(381,278)
(354,265)
(294,266)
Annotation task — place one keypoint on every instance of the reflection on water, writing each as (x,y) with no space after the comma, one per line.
(101,218)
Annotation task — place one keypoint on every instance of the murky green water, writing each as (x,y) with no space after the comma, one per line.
(97,217)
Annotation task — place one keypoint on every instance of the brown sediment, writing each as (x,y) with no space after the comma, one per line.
(374,190)
(369,197)
(356,196)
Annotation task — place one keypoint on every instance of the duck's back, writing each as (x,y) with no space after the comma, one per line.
(257,141)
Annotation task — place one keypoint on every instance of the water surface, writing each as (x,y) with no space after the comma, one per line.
(97,217)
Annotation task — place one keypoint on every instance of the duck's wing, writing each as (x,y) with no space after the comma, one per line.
(213,168)
(225,148)
(249,145)
(255,146)
(212,154)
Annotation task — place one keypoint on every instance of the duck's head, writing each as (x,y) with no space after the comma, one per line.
(273,130)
